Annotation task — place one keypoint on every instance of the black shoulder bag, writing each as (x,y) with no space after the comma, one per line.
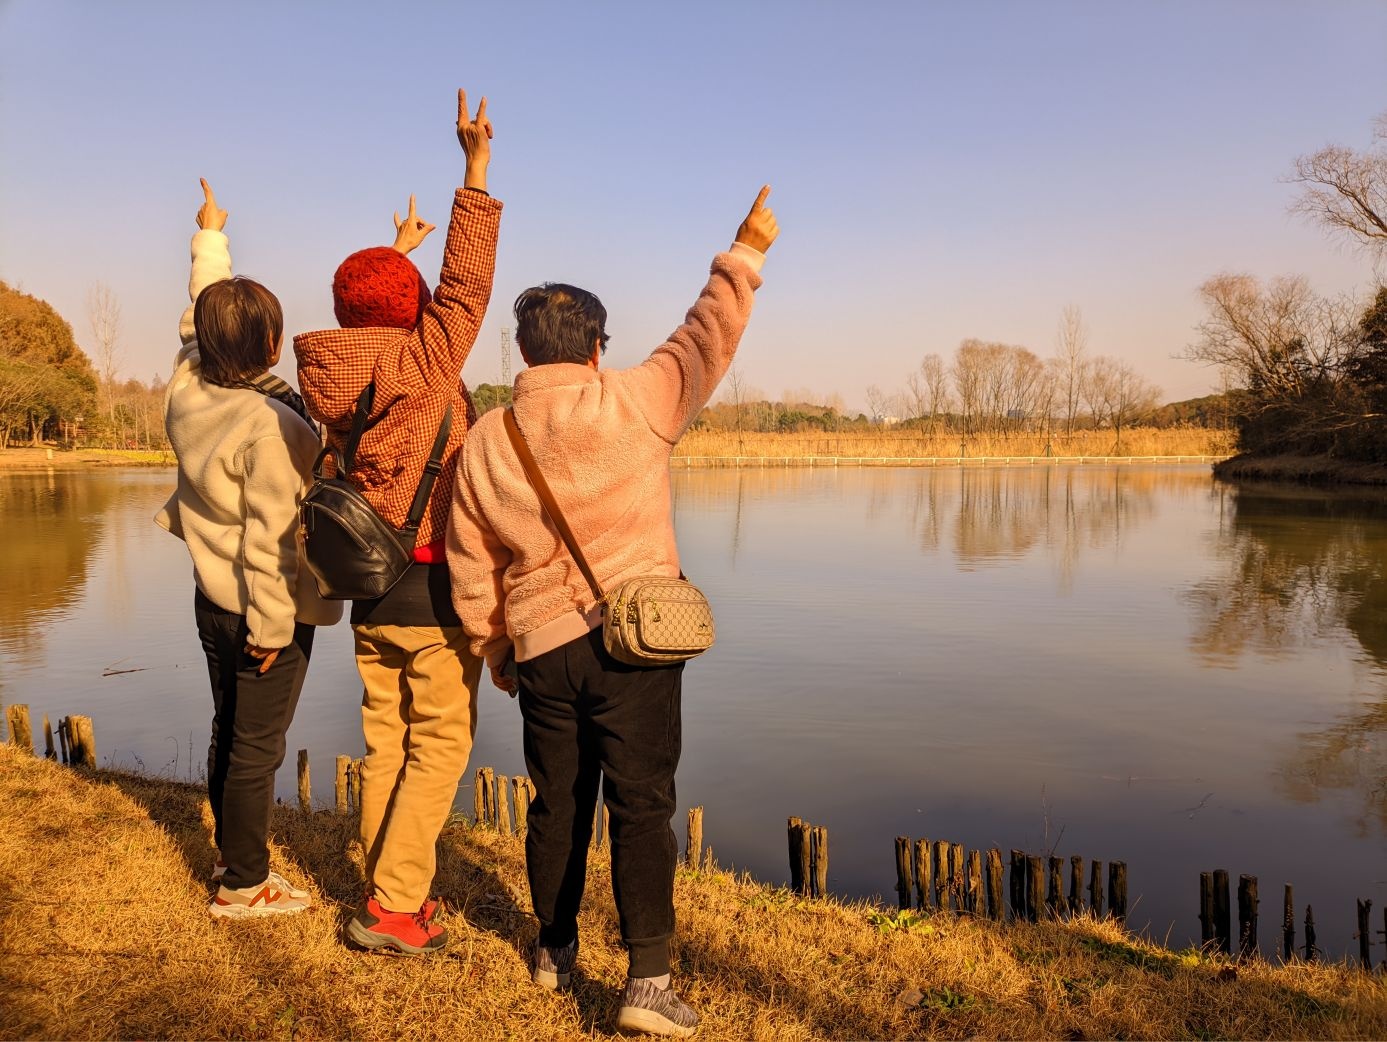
(353,553)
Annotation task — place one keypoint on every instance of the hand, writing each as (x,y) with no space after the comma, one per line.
(759,229)
(209,217)
(410,232)
(474,135)
(503,680)
(266,657)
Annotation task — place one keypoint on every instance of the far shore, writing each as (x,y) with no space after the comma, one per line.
(1306,470)
(29,458)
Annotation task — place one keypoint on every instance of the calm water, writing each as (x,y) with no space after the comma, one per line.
(1123,663)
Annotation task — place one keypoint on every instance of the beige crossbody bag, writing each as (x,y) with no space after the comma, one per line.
(647,621)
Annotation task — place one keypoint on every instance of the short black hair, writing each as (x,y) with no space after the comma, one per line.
(556,322)
(238,323)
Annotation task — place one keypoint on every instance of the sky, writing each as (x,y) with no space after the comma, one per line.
(939,170)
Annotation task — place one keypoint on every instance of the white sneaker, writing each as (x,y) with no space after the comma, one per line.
(219,870)
(255,901)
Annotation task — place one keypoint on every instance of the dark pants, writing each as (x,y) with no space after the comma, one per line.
(251,714)
(588,716)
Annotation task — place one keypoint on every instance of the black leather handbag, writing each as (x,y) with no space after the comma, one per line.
(353,553)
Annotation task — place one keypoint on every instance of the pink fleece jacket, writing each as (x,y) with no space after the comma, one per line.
(602,439)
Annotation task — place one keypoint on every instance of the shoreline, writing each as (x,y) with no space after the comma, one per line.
(51,458)
(1303,470)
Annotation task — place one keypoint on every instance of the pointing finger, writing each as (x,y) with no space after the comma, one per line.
(481,110)
(412,214)
(761,199)
(207,192)
(462,107)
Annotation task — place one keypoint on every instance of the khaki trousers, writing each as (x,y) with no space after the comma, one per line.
(419,715)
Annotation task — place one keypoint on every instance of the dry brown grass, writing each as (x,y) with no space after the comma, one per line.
(104,934)
(914,444)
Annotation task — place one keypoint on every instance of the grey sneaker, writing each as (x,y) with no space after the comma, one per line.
(554,966)
(654,1011)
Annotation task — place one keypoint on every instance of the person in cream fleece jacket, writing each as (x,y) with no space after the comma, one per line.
(602,439)
(245,451)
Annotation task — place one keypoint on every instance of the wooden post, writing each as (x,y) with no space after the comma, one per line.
(1076,884)
(1288,926)
(305,790)
(1035,887)
(976,902)
(794,830)
(354,782)
(606,825)
(1018,885)
(521,791)
(924,878)
(820,861)
(1095,888)
(502,805)
(1117,890)
(64,741)
(956,875)
(806,859)
(1054,896)
(1310,950)
(1206,908)
(1223,924)
(943,873)
(1364,934)
(489,795)
(21,731)
(479,797)
(1247,916)
(904,880)
(996,910)
(81,741)
(339,787)
(693,845)
(48,751)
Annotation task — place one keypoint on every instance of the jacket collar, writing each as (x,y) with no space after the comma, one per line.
(540,378)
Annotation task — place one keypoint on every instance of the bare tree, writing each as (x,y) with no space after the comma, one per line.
(1071,342)
(1132,396)
(1100,389)
(1347,190)
(936,379)
(876,403)
(103,311)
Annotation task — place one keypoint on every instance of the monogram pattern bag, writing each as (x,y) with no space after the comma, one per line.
(647,621)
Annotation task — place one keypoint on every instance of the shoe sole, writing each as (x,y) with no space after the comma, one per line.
(551,980)
(382,944)
(634,1020)
(244,912)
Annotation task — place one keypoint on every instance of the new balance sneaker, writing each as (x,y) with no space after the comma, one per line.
(647,1008)
(377,929)
(254,901)
(219,870)
(554,966)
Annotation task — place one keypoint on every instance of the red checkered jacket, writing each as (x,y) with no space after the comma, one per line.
(417,373)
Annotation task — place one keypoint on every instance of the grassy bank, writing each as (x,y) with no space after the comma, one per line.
(35,459)
(105,934)
(896,443)
(1310,470)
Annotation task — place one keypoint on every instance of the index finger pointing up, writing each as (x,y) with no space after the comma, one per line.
(462,107)
(207,191)
(761,199)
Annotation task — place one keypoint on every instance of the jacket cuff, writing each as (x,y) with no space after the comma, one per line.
(748,255)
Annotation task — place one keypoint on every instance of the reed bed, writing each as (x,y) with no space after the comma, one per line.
(104,934)
(898,443)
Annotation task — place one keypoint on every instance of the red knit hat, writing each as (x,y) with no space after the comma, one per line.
(378,287)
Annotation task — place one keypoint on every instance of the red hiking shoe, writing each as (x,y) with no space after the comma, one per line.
(378,929)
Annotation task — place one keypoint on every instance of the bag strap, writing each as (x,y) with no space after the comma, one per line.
(551,506)
(431,471)
(364,402)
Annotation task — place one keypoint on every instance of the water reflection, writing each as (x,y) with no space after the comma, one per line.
(1305,568)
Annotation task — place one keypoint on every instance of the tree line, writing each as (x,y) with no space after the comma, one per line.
(1310,371)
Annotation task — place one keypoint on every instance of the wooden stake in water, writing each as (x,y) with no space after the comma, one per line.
(956,868)
(1095,888)
(521,791)
(974,900)
(693,842)
(606,825)
(21,732)
(1117,890)
(1223,921)
(1206,908)
(1018,885)
(924,878)
(794,830)
(905,882)
(1054,894)
(305,790)
(1310,950)
(479,797)
(995,908)
(64,741)
(1364,934)
(942,873)
(1035,887)
(820,861)
(1247,916)
(503,805)
(48,752)
(1076,884)
(340,783)
(1288,926)
(489,794)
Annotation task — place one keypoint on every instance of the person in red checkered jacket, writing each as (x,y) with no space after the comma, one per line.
(419,706)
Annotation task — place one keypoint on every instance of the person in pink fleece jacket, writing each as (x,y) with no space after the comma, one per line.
(602,438)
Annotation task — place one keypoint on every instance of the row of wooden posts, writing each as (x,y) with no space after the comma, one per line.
(1216,920)
(930,875)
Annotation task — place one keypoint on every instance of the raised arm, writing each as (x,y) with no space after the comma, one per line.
(453,318)
(679,378)
(211,257)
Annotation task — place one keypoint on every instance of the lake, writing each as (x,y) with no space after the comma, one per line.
(1130,663)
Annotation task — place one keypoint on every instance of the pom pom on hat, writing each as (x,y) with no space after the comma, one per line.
(378,287)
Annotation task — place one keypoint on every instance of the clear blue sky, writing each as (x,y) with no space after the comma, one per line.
(939,170)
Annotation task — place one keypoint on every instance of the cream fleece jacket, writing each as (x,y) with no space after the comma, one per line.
(244,461)
(602,439)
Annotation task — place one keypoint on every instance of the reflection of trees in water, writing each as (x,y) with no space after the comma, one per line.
(1302,565)
(52,523)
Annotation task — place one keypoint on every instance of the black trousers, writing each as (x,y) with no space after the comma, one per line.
(590,717)
(250,716)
